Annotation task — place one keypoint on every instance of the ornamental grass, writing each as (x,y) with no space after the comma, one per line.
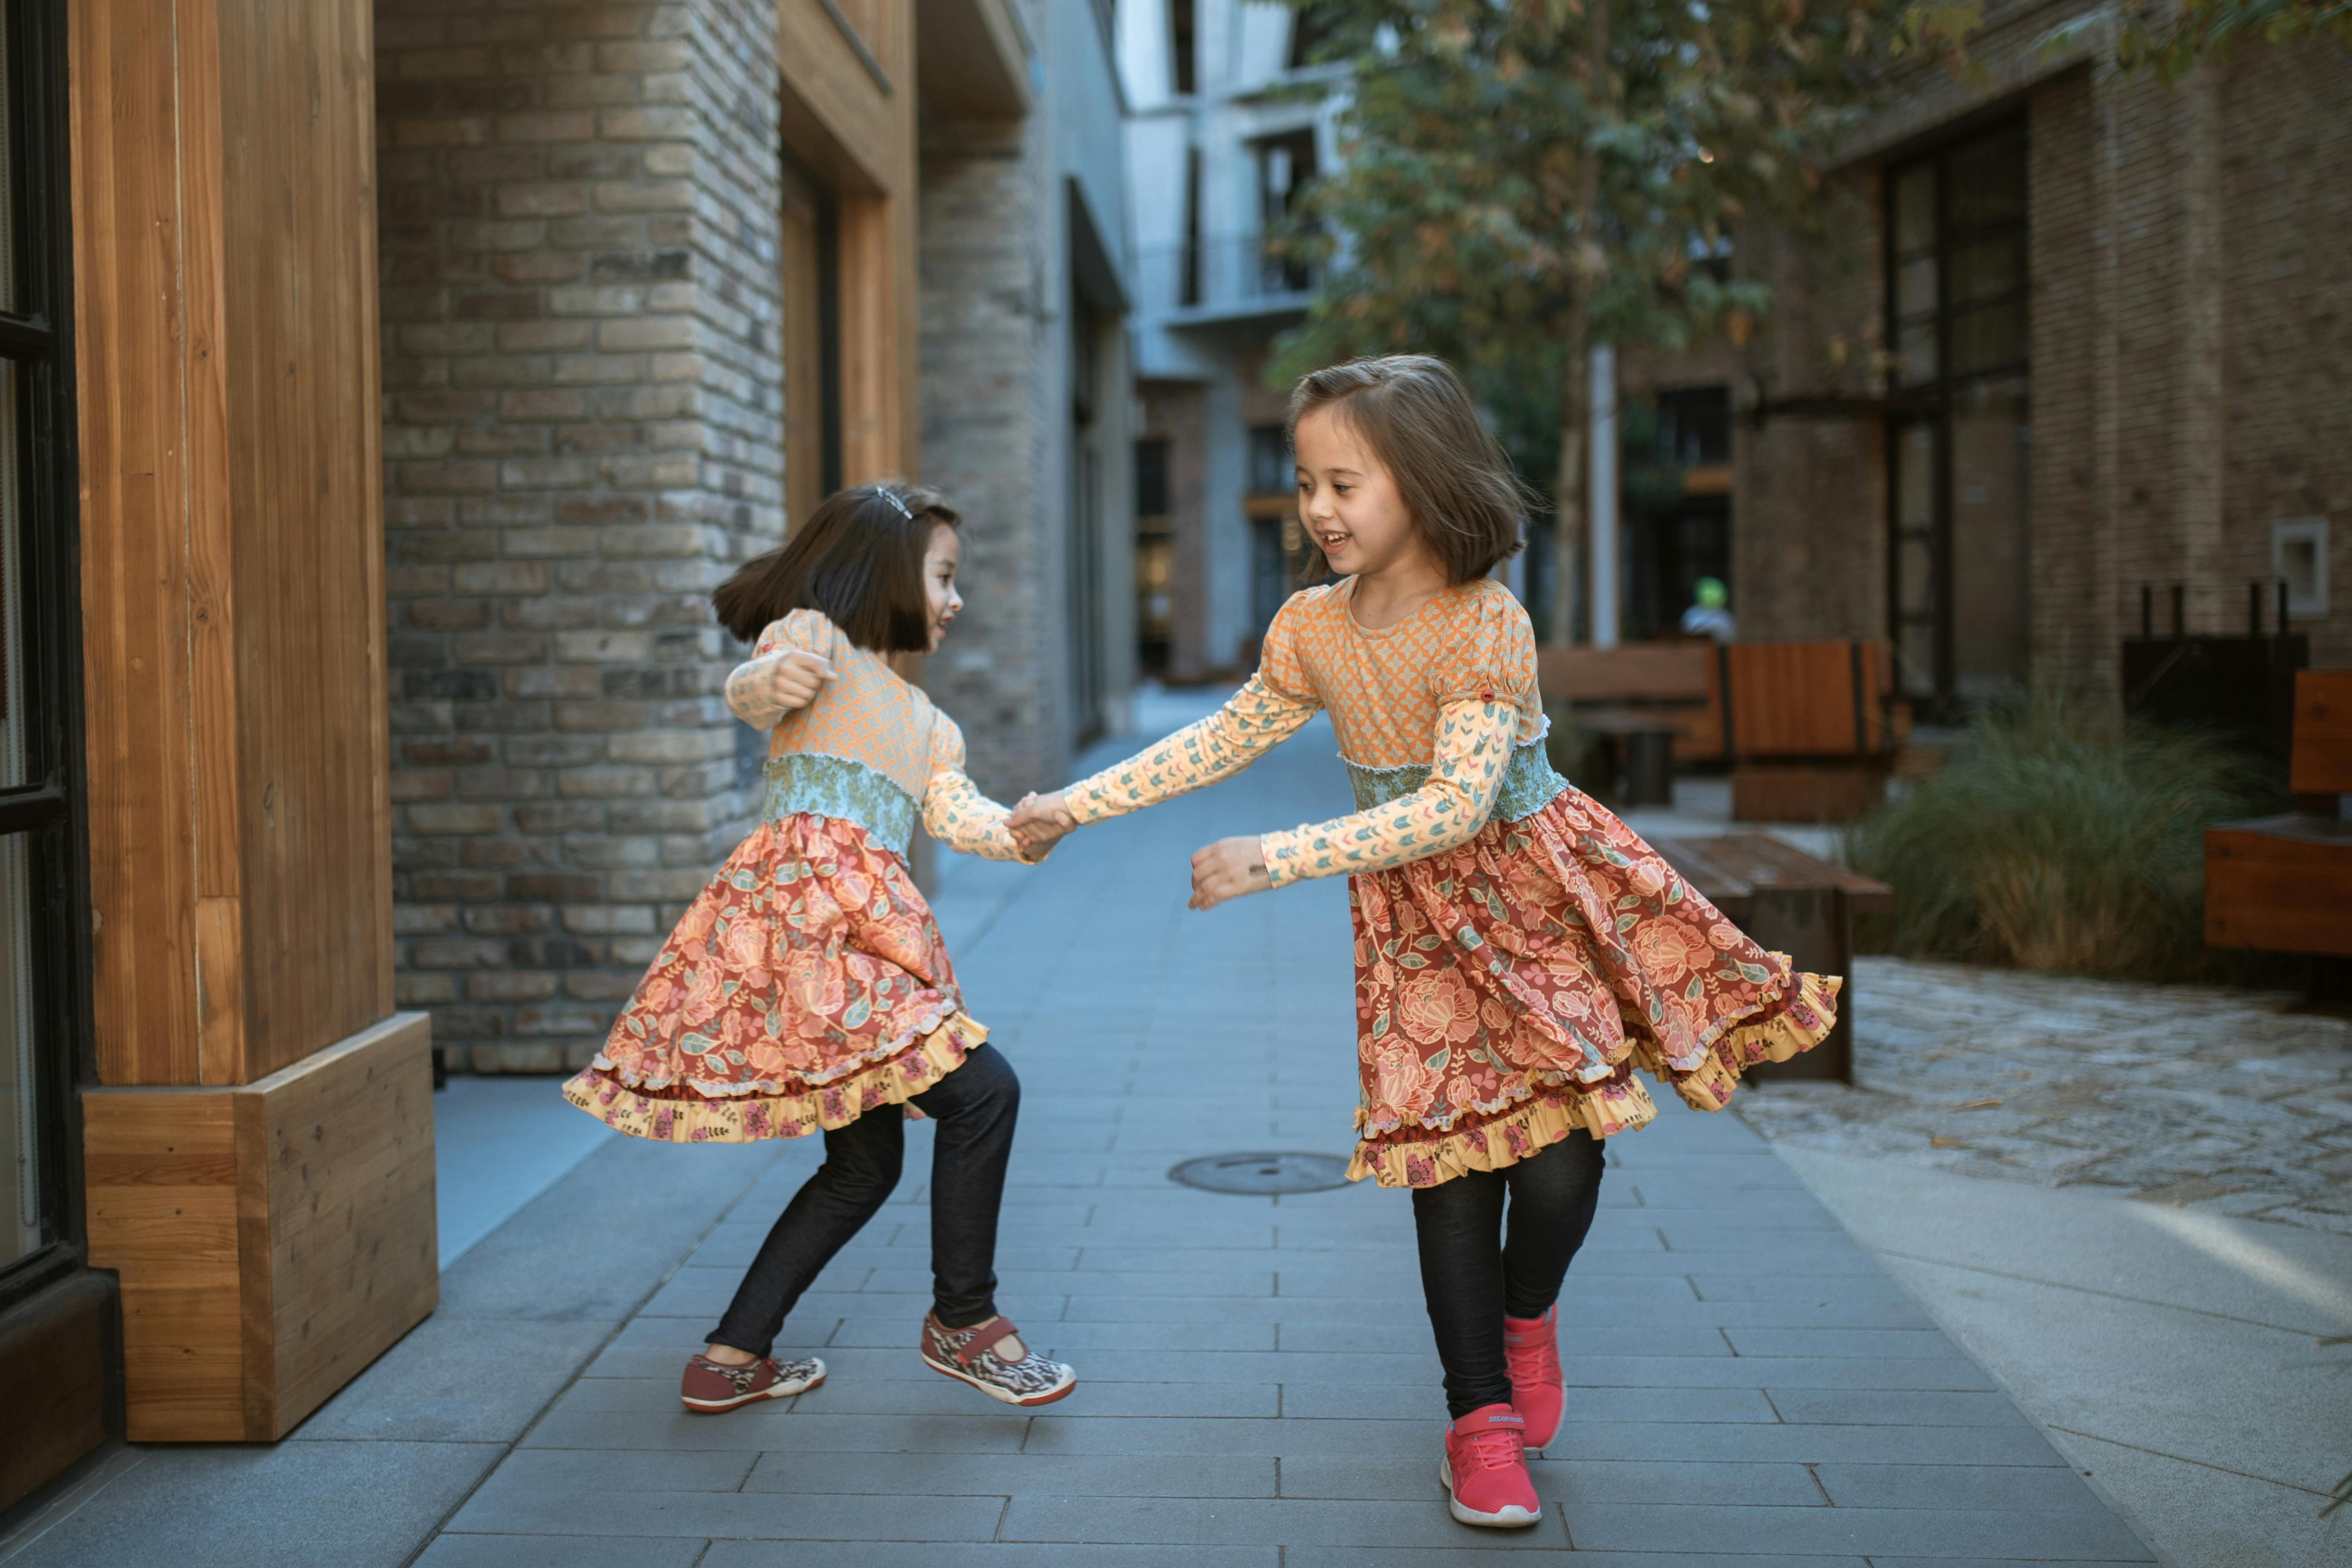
(2054,840)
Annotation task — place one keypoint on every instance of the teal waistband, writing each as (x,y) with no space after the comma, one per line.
(835,786)
(1529,783)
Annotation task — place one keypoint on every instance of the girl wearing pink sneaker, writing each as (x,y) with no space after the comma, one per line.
(807,989)
(1520,953)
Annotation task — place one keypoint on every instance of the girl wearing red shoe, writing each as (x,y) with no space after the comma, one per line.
(1520,953)
(807,989)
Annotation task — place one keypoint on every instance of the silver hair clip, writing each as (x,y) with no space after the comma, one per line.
(892,496)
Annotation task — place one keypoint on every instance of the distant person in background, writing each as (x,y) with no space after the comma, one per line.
(1707,618)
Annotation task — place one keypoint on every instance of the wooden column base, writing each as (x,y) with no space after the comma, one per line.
(272,1240)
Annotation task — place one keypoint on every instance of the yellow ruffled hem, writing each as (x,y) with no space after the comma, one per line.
(752,1118)
(1603,1110)
(1797,1025)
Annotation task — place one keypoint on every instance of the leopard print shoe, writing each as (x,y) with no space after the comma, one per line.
(709,1386)
(969,1355)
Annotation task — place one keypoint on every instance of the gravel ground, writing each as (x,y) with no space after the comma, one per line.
(2194,1096)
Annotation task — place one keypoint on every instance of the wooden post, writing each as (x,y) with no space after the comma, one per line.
(258,1167)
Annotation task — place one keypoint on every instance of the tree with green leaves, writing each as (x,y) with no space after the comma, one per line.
(1523,179)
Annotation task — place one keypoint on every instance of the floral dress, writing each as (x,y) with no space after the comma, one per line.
(1519,952)
(807,984)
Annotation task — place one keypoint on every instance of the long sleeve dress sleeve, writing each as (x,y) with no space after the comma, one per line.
(804,631)
(1263,713)
(1474,749)
(955,812)
(1480,689)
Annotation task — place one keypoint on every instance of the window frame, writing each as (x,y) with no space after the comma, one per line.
(48,812)
(1930,402)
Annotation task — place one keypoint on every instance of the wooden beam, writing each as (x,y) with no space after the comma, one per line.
(271,1239)
(232,530)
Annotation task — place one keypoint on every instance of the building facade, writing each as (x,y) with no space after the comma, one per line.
(418,370)
(627,344)
(1232,120)
(2071,345)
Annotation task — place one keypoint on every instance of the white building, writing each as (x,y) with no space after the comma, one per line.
(1228,125)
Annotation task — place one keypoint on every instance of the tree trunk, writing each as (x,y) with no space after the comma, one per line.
(1576,358)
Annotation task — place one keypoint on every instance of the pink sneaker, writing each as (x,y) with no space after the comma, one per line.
(1485,1469)
(1531,1348)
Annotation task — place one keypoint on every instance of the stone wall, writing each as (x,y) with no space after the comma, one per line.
(582,434)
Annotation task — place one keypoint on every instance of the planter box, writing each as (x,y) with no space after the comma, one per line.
(272,1239)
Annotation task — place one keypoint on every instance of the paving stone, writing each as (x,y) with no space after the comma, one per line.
(755,1429)
(1956,1486)
(1945,1532)
(658,1469)
(1383,1479)
(453,1379)
(1750,1340)
(971,1554)
(1239,1522)
(1366,1402)
(1595,1338)
(560,1552)
(296,1505)
(1008,1474)
(1863,1407)
(1465,1556)
(621,1510)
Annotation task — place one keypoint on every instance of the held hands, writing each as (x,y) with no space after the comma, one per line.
(1227,870)
(795,679)
(1040,822)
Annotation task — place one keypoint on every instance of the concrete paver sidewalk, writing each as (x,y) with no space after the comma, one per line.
(1258,1384)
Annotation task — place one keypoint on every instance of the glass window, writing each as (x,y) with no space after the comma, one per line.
(1956,304)
(1271,471)
(35,608)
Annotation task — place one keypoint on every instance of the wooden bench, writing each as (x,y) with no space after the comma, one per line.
(1791,902)
(1812,728)
(1673,683)
(2283,884)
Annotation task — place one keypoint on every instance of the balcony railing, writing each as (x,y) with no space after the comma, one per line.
(1214,278)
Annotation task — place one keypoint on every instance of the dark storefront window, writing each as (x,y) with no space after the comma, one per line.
(38,906)
(1155,558)
(1957,292)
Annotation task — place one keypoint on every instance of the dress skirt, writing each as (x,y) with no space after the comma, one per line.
(805,986)
(1509,991)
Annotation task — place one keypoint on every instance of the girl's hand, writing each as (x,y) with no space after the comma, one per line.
(795,679)
(1227,870)
(1040,822)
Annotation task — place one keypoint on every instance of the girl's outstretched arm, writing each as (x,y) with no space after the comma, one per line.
(1253,723)
(1475,739)
(955,812)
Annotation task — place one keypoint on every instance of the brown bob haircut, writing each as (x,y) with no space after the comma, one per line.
(1419,420)
(859,559)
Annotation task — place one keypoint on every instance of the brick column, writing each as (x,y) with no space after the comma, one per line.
(583,433)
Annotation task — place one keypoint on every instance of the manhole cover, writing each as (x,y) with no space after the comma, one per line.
(1263,1174)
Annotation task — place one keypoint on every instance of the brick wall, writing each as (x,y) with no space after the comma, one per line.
(992,390)
(582,434)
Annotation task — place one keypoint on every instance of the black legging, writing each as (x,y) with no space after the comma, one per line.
(1474,1277)
(975,1105)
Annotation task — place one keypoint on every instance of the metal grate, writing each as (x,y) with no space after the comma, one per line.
(1261,1173)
